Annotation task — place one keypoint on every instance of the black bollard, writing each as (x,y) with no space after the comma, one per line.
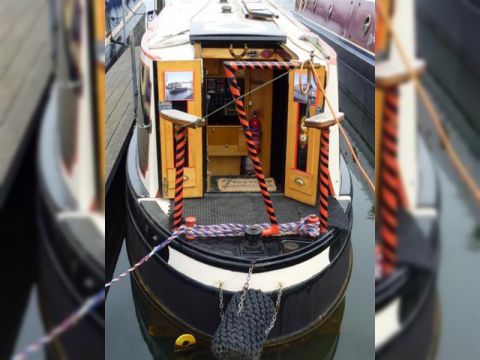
(253,238)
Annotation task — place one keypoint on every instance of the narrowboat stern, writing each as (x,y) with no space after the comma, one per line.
(236,185)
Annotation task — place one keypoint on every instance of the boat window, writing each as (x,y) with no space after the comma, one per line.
(366,25)
(330,11)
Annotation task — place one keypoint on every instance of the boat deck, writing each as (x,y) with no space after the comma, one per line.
(244,208)
(25,72)
(119,112)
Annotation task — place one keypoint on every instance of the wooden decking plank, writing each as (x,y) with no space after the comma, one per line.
(119,119)
(23,82)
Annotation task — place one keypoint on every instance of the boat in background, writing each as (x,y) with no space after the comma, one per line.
(349,28)
(71,168)
(189,192)
(452,60)
(407,201)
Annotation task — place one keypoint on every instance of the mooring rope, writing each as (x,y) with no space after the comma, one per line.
(305,227)
(90,304)
(342,131)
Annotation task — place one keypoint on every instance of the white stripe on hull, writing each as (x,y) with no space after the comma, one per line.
(387,323)
(234,280)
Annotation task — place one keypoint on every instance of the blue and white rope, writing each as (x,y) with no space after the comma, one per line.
(303,227)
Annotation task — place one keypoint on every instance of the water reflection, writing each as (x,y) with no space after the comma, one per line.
(160,335)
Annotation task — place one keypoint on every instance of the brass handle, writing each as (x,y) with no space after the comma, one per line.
(299,181)
(185,178)
(236,56)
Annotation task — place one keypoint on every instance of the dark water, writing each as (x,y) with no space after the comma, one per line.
(458,281)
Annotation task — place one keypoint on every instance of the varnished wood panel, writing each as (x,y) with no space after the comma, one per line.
(302,185)
(195,145)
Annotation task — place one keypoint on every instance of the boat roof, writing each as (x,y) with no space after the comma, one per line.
(181,23)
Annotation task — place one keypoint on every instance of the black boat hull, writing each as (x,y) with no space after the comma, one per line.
(160,334)
(194,306)
(58,299)
(70,254)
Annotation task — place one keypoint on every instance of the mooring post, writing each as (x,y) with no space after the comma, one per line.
(324,121)
(180,121)
(392,197)
(389,181)
(131,43)
(180,144)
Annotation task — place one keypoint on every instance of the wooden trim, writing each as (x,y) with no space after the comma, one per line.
(299,185)
(195,143)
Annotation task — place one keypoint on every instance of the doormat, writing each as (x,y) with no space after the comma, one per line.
(243,185)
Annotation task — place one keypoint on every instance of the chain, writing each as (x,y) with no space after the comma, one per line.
(277,307)
(245,288)
(220,298)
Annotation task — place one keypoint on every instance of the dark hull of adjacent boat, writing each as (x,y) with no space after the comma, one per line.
(59,299)
(452,60)
(195,306)
(356,79)
(69,271)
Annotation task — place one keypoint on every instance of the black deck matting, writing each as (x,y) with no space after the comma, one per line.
(245,208)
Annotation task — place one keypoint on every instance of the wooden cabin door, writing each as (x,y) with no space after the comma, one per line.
(303,145)
(180,82)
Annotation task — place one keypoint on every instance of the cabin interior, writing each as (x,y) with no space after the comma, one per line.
(217,160)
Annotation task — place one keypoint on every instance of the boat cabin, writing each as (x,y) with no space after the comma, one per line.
(185,66)
(239,103)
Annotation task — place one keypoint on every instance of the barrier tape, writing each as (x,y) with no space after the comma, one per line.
(180,145)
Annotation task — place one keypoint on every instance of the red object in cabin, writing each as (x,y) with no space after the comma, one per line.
(256,129)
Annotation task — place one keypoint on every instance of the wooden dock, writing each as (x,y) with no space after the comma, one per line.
(25,73)
(119,112)
(119,125)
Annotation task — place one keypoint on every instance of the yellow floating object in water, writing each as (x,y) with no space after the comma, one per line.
(184,341)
